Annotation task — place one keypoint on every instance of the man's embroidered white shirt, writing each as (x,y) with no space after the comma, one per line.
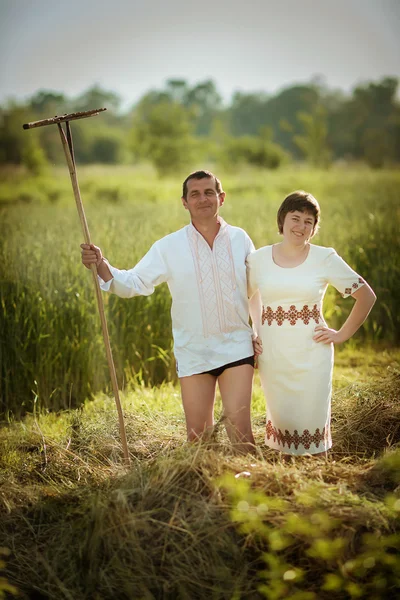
(210,314)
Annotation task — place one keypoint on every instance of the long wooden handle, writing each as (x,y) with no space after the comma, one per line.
(106,337)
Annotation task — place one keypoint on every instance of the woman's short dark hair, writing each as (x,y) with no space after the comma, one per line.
(301,201)
(201,175)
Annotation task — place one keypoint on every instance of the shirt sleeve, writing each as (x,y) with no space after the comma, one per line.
(249,245)
(252,285)
(341,275)
(150,271)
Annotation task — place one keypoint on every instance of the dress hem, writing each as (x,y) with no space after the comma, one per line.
(299,452)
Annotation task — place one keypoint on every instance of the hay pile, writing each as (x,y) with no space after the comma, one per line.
(80,527)
(366,418)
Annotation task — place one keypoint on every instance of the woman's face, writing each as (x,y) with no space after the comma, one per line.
(298,227)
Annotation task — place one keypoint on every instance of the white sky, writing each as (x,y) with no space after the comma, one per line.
(131,46)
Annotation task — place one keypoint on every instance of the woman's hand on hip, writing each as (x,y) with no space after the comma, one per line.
(326,335)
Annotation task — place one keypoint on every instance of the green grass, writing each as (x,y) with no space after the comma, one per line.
(197,521)
(185,521)
(51,347)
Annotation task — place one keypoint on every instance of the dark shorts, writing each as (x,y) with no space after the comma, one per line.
(219,370)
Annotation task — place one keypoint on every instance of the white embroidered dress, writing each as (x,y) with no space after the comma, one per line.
(210,314)
(295,371)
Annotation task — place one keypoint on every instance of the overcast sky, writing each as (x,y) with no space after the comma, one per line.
(131,46)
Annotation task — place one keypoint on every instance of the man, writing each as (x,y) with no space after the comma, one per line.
(204,267)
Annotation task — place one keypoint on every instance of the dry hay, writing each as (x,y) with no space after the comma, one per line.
(79,526)
(366,418)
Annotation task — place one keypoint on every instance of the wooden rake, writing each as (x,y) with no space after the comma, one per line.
(66,140)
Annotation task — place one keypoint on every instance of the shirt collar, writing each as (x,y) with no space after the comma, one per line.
(222,225)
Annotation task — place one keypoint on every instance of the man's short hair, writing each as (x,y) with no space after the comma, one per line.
(301,201)
(201,175)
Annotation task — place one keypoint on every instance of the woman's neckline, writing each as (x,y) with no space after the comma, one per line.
(295,267)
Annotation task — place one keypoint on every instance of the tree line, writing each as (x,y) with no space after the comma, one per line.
(182,123)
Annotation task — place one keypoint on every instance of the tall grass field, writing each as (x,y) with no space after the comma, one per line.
(185,521)
(51,344)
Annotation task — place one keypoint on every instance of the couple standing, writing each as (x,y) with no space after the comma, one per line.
(216,278)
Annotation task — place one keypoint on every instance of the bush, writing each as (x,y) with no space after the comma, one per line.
(252,150)
(307,541)
(163,134)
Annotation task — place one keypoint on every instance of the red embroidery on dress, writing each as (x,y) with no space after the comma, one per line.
(292,315)
(306,439)
(354,286)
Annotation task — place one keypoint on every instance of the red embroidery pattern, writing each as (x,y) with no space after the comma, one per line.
(287,438)
(354,286)
(292,315)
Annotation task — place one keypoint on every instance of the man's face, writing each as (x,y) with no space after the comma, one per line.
(202,199)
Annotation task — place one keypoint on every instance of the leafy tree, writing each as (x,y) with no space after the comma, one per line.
(162,133)
(284,108)
(247,113)
(96,97)
(43,105)
(107,146)
(314,141)
(47,103)
(176,90)
(376,147)
(205,102)
(17,146)
(367,124)
(376,131)
(180,120)
(258,151)
(91,144)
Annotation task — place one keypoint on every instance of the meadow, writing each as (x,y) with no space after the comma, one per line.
(194,522)
(185,521)
(51,346)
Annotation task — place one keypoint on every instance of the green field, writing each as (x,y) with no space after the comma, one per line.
(187,522)
(51,344)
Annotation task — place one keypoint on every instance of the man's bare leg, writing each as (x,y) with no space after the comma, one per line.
(235,385)
(198,397)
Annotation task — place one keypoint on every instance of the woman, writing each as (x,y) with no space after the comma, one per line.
(297,345)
